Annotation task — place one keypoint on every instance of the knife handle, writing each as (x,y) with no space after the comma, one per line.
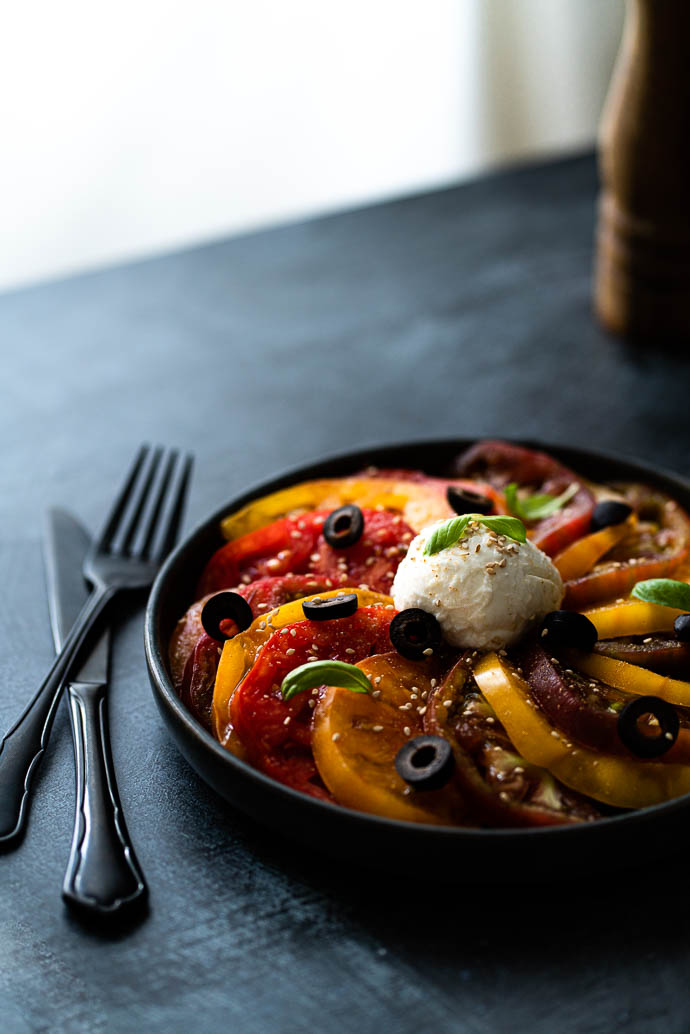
(24,744)
(103,874)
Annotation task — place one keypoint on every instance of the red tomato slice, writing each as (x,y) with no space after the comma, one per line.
(654,548)
(371,562)
(280,548)
(502,462)
(277,733)
(295,545)
(196,690)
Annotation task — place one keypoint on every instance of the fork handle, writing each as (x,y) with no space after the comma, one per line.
(103,874)
(23,746)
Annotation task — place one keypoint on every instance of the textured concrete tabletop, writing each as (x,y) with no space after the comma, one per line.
(463,312)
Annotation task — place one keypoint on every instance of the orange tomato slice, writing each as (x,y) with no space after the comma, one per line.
(581,556)
(357,736)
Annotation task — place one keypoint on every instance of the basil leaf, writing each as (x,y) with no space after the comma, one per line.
(324,673)
(447,534)
(536,507)
(509,526)
(451,531)
(667,592)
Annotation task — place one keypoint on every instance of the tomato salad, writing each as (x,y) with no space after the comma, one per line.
(508,646)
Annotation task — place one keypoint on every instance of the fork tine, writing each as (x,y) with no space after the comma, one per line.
(141,543)
(137,503)
(172,511)
(119,506)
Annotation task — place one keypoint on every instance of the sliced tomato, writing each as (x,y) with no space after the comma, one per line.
(373,560)
(357,737)
(584,708)
(438,485)
(295,545)
(193,675)
(655,547)
(659,653)
(277,733)
(500,786)
(196,690)
(502,462)
(280,548)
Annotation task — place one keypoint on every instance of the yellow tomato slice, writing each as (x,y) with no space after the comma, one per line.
(240,652)
(612,780)
(631,617)
(580,557)
(631,678)
(357,736)
(420,504)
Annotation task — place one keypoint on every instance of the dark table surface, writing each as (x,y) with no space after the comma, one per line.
(461,312)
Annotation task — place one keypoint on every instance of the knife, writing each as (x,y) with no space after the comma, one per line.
(103,875)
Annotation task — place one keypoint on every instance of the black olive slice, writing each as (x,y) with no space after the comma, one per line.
(567,628)
(413,632)
(224,606)
(426,762)
(642,745)
(609,512)
(343,527)
(463,500)
(342,606)
(681,626)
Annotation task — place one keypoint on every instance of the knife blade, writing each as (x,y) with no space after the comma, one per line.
(66,545)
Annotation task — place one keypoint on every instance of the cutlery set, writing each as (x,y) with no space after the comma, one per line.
(103,875)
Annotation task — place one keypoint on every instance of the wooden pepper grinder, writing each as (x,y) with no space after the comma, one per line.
(642,276)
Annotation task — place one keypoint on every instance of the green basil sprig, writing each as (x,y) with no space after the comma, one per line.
(536,507)
(324,673)
(451,531)
(667,592)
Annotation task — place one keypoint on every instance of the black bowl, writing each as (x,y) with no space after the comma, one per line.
(516,854)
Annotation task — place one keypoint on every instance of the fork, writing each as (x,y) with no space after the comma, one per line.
(140,530)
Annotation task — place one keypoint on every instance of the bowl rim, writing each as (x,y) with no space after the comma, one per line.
(164,692)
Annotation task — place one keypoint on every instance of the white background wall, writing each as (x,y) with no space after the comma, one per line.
(132,127)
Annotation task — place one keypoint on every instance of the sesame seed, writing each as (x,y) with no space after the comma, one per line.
(376,693)
(246,579)
(314,558)
(555,734)
(335,737)
(421,710)
(293,632)
(377,679)
(389,606)
(363,586)
(647,640)
(262,625)
(287,720)
(433,683)
(316,599)
(315,691)
(447,703)
(544,632)
(428,652)
(377,728)
(262,606)
(349,650)
(311,703)
(289,653)
(490,720)
(407,730)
